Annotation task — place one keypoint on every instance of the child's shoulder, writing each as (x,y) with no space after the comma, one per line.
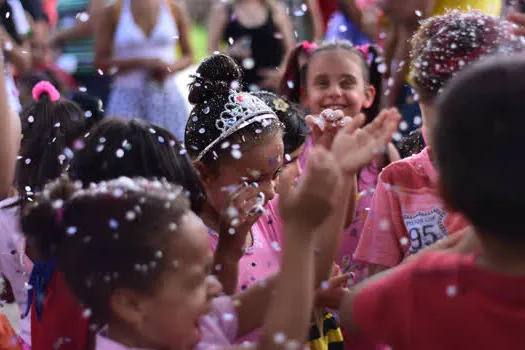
(435,263)
(408,172)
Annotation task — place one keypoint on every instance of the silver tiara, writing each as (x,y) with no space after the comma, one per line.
(241,110)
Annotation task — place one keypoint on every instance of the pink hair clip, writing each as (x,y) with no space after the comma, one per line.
(364,49)
(308,46)
(45,87)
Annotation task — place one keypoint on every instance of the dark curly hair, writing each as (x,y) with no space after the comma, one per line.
(445,44)
(292,117)
(109,236)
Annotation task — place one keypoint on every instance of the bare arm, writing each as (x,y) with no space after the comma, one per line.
(81,30)
(17,55)
(353,11)
(284,26)
(293,327)
(317,19)
(10,139)
(217,21)
(183,24)
(405,16)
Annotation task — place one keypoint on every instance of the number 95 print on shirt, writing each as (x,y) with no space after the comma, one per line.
(406,213)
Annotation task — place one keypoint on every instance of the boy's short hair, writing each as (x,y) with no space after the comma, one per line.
(480,145)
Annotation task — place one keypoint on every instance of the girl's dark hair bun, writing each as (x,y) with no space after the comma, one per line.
(216,75)
(41,220)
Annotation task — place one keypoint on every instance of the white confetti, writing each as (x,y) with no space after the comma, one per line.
(236,154)
(228,317)
(113,224)
(452,290)
(279,338)
(130,215)
(71,230)
(248,63)
(86,313)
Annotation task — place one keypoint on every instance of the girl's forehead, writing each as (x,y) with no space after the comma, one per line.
(336,60)
(263,157)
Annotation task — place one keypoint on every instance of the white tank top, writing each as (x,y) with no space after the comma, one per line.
(131,42)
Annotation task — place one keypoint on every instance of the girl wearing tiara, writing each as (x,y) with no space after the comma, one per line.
(236,143)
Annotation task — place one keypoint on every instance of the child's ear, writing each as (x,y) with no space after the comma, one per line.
(205,173)
(128,306)
(370,95)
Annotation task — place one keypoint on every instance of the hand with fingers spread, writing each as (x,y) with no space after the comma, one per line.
(243,208)
(354,147)
(325,126)
(312,200)
(331,292)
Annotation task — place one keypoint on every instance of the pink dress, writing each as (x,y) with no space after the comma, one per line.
(366,184)
(14,264)
(407,213)
(263,258)
(219,329)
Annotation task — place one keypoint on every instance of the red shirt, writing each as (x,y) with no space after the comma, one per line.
(328,7)
(443,301)
(62,325)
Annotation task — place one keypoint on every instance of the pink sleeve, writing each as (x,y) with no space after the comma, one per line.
(274,223)
(214,240)
(379,242)
(220,326)
(382,309)
(303,158)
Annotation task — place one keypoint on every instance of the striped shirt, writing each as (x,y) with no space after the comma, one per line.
(326,335)
(83,50)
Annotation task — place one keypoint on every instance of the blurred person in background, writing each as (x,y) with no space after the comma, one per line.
(404,17)
(355,21)
(14,38)
(136,40)
(307,19)
(74,36)
(257,33)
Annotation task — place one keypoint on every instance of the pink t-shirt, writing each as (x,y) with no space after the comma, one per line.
(366,184)
(14,264)
(263,258)
(406,214)
(104,343)
(219,328)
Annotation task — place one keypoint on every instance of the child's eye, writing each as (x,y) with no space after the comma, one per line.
(347,84)
(277,172)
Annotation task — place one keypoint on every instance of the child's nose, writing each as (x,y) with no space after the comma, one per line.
(335,90)
(268,188)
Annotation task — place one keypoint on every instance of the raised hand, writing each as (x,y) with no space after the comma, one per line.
(243,208)
(354,147)
(312,200)
(331,292)
(325,126)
